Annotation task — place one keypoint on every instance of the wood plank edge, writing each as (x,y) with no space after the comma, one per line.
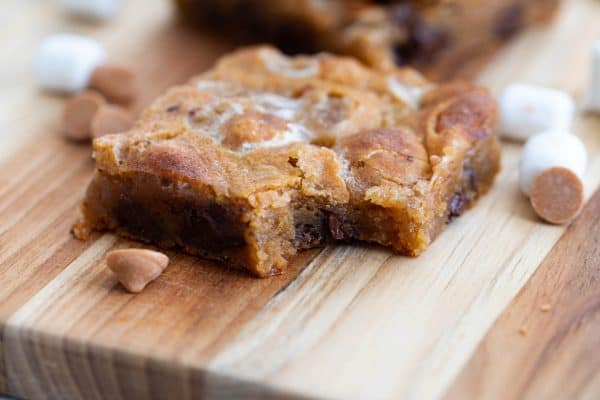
(38,364)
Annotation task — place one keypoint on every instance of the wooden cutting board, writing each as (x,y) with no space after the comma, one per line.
(344,321)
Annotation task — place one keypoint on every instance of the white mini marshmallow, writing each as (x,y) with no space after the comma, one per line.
(593,96)
(526,110)
(93,9)
(547,150)
(410,95)
(66,62)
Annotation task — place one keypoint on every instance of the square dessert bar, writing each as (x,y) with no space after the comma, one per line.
(265,155)
(441,38)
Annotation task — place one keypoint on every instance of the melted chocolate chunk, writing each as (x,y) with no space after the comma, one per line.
(335,227)
(461,200)
(340,229)
(326,227)
(210,227)
(309,235)
(138,220)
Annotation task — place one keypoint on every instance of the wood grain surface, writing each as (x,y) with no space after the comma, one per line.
(343,322)
(545,345)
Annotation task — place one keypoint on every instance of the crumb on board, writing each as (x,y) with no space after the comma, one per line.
(545,307)
(522,331)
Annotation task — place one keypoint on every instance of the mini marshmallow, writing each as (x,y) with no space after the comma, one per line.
(547,150)
(526,110)
(593,96)
(66,62)
(92,9)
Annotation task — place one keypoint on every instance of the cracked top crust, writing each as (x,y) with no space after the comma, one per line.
(323,125)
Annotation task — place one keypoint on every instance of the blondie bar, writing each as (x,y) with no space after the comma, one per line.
(441,38)
(265,155)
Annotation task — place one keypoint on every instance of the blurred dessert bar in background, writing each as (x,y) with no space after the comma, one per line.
(442,38)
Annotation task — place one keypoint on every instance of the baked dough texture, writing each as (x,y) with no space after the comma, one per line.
(265,155)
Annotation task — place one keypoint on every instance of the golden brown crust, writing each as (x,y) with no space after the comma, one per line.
(307,150)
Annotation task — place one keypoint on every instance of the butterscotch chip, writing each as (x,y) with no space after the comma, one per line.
(135,268)
(78,114)
(557,195)
(116,82)
(111,119)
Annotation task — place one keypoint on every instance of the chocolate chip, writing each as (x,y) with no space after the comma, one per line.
(358,164)
(323,228)
(458,204)
(410,158)
(470,175)
(295,36)
(422,41)
(293,161)
(404,15)
(335,227)
(509,22)
(422,47)
(173,108)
